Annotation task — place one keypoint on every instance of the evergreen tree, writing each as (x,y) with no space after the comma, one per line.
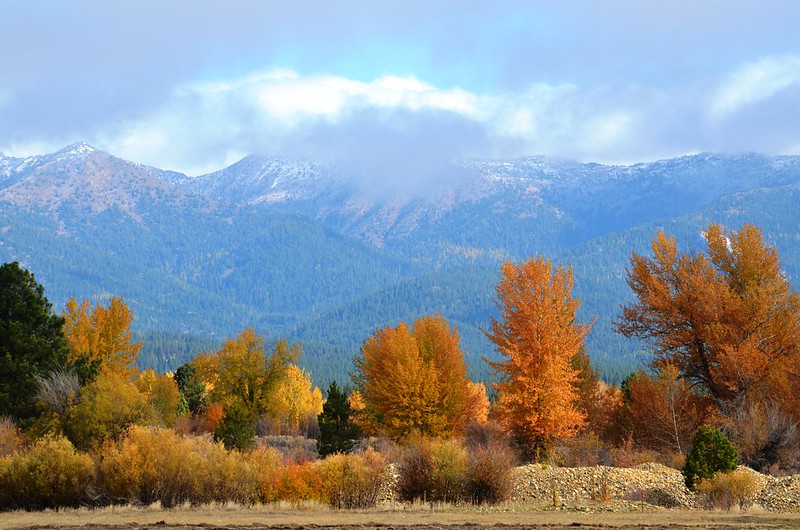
(191,388)
(236,430)
(32,341)
(711,453)
(338,434)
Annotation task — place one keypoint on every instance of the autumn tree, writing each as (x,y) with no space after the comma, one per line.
(538,336)
(102,334)
(295,401)
(727,319)
(32,343)
(413,381)
(242,372)
(664,410)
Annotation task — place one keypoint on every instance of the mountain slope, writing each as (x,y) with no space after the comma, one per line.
(310,252)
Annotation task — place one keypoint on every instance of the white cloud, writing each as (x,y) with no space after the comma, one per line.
(754,82)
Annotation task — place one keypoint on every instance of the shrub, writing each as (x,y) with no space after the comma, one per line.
(585,450)
(433,470)
(51,474)
(489,476)
(726,490)
(351,481)
(711,453)
(10,437)
(151,465)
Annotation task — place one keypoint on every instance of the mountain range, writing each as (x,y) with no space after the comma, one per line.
(326,254)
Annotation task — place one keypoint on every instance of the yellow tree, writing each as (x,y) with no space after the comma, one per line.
(102,334)
(295,400)
(539,336)
(242,372)
(728,319)
(414,382)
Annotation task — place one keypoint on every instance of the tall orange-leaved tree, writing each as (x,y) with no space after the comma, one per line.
(414,381)
(539,336)
(102,334)
(727,319)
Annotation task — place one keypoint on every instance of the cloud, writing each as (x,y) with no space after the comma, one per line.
(754,83)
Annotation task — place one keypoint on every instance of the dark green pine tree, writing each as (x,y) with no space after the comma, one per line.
(32,341)
(236,430)
(338,434)
(192,391)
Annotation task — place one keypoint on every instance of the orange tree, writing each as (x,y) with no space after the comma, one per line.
(413,382)
(727,319)
(102,335)
(539,337)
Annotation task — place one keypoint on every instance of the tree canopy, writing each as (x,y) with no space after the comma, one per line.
(31,341)
(539,337)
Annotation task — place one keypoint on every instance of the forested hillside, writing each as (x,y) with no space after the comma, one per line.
(299,250)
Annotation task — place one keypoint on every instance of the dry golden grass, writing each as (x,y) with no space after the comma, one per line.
(308,514)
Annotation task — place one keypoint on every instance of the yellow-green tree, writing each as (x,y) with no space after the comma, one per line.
(539,336)
(162,394)
(414,381)
(295,400)
(242,372)
(102,334)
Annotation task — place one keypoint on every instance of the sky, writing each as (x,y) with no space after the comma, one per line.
(195,85)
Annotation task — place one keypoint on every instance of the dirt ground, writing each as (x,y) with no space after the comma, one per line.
(130,518)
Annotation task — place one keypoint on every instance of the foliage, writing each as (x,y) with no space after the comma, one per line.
(351,481)
(191,388)
(711,453)
(338,433)
(31,341)
(162,395)
(727,319)
(489,477)
(664,411)
(726,490)
(765,436)
(157,465)
(10,437)
(413,382)
(538,335)
(295,401)
(52,474)
(439,470)
(241,372)
(236,430)
(433,470)
(107,407)
(102,334)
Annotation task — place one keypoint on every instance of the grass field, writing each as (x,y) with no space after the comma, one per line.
(447,517)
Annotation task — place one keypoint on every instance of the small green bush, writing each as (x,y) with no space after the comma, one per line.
(433,470)
(726,490)
(711,453)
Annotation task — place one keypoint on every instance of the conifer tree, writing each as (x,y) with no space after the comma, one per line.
(31,341)
(338,433)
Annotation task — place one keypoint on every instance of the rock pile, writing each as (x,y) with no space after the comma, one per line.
(648,483)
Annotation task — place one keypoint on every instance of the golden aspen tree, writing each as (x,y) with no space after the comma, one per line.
(728,319)
(242,372)
(295,400)
(538,336)
(413,382)
(102,334)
